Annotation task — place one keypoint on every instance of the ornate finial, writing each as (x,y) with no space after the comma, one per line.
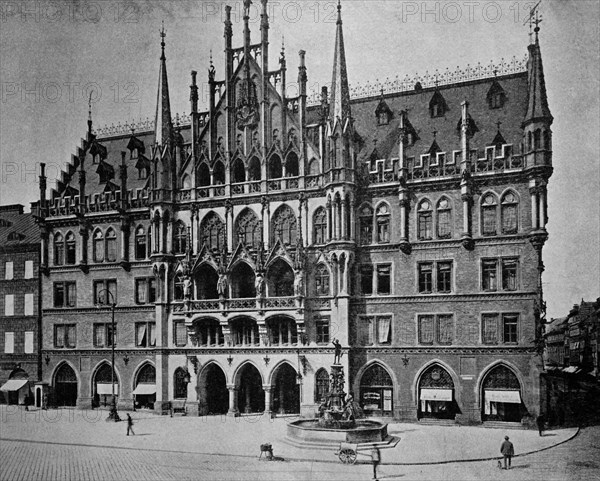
(534,18)
(283,46)
(163,34)
(498,124)
(339,9)
(434,134)
(382,93)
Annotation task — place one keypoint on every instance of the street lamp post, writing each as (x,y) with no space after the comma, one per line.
(103,300)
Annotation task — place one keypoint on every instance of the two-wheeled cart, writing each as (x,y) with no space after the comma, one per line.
(348,452)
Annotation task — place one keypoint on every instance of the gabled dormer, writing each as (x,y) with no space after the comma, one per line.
(136,147)
(105,171)
(98,152)
(496,97)
(498,141)
(383,113)
(437,105)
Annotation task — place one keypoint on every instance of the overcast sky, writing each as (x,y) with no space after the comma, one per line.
(52,54)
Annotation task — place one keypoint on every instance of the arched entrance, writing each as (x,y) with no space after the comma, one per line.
(436,394)
(102,386)
(65,386)
(280,279)
(16,389)
(243,282)
(376,391)
(145,388)
(501,396)
(251,396)
(286,391)
(213,396)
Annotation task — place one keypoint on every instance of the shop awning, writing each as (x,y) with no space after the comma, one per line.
(503,396)
(436,394)
(145,389)
(106,389)
(13,384)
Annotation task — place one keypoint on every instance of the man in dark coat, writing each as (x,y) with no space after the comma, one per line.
(540,421)
(508,451)
(129,425)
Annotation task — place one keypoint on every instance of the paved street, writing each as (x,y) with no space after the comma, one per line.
(78,445)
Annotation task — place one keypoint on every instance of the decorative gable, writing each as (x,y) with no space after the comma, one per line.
(498,141)
(383,113)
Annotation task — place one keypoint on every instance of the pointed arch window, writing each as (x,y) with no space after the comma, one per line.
(180,238)
(249,229)
(383,223)
(320,226)
(70,248)
(496,96)
(437,105)
(202,175)
(444,219)
(98,246)
(489,212)
(291,165)
(284,226)
(254,170)
(321,386)
(509,213)
(140,243)
(366,224)
(111,245)
(275,168)
(59,249)
(212,231)
(322,280)
(313,167)
(180,384)
(219,173)
(425,221)
(238,172)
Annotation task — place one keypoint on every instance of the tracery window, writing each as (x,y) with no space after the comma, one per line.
(444,226)
(111,245)
(425,221)
(98,246)
(320,226)
(212,232)
(249,229)
(489,208)
(366,225)
(284,226)
(179,238)
(509,213)
(322,280)
(59,249)
(383,223)
(70,249)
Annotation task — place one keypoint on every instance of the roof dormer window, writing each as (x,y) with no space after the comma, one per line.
(496,96)
(437,105)
(383,113)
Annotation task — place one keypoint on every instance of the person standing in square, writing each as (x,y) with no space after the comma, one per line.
(129,425)
(508,451)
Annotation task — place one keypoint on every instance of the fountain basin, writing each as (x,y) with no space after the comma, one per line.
(308,431)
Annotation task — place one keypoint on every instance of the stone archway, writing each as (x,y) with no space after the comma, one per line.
(145,387)
(102,386)
(436,394)
(377,391)
(213,396)
(286,391)
(501,398)
(65,386)
(251,395)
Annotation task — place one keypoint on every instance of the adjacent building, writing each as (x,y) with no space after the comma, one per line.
(405,220)
(20,365)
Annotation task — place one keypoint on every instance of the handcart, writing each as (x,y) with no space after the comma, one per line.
(347,452)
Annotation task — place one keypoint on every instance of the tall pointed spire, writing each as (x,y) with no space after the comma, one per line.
(537,100)
(163,127)
(340,91)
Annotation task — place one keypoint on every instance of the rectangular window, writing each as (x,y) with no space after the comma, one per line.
(425,329)
(180,333)
(70,335)
(509,324)
(9,342)
(509,274)
(425,226)
(366,230)
(141,291)
(489,328)
(28,305)
(28,348)
(425,278)
(443,226)
(384,279)
(65,294)
(444,276)
(105,292)
(9,271)
(383,230)
(445,328)
(366,280)
(489,274)
(104,336)
(322,326)
(28,269)
(489,220)
(145,334)
(9,305)
(384,329)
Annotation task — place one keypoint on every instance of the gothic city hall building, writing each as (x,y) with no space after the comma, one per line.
(234,245)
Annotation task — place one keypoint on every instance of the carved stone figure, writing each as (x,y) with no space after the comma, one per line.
(222,285)
(299,283)
(338,351)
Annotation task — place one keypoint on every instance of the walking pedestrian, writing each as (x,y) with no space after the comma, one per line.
(375,458)
(540,421)
(508,451)
(129,425)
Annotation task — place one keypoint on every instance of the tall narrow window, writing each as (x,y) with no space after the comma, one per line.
(322,327)
(249,229)
(98,246)
(322,280)
(212,231)
(426,329)
(489,328)
(178,289)
(366,225)
(284,225)
(384,279)
(384,329)
(320,226)
(366,280)
(9,271)
(425,278)
(383,223)
(59,249)
(180,238)
(445,325)
(509,274)
(444,229)
(509,214)
(444,276)
(111,245)
(70,248)
(425,221)
(509,328)
(140,243)
(488,215)
(489,271)
(180,333)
